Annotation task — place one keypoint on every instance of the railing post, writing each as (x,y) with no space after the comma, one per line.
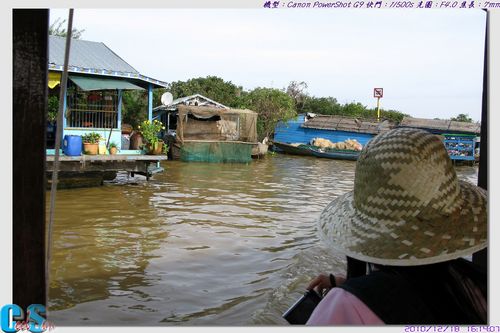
(150,102)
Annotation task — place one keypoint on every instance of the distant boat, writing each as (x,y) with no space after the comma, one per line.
(287,148)
(337,154)
(308,150)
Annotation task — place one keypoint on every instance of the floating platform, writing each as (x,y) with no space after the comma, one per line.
(92,170)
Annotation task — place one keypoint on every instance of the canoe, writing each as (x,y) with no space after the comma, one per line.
(337,154)
(308,150)
(287,148)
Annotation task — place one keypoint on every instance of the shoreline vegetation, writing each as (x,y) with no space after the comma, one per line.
(273,105)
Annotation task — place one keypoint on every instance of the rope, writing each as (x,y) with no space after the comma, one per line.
(55,169)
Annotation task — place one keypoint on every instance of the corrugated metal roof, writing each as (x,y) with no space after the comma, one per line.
(441,125)
(87,54)
(348,124)
(190,100)
(205,101)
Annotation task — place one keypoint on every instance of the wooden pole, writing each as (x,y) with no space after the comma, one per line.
(481,257)
(29,46)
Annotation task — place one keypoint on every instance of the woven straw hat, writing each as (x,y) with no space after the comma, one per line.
(408,207)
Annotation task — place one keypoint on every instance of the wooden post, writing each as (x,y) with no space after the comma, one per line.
(481,257)
(30,36)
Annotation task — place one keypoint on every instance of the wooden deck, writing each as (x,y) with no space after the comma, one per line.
(135,164)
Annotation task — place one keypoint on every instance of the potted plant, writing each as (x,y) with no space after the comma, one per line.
(165,149)
(91,143)
(150,130)
(52,109)
(113,148)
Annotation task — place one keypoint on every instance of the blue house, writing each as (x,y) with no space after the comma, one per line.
(96,81)
(334,128)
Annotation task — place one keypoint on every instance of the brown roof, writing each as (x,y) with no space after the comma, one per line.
(442,125)
(348,124)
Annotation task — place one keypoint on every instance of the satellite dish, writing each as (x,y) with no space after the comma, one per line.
(167,98)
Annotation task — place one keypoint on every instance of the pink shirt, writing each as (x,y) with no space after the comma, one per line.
(340,307)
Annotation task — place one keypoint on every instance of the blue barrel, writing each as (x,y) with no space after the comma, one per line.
(72,145)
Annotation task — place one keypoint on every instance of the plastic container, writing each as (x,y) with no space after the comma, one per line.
(102,150)
(72,145)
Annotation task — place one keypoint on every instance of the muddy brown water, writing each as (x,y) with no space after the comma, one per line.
(200,244)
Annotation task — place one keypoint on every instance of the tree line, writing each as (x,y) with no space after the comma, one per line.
(273,105)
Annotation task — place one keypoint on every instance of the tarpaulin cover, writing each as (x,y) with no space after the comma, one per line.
(54,79)
(95,83)
(209,123)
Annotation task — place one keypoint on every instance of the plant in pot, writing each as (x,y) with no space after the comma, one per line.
(150,130)
(53,108)
(91,143)
(113,148)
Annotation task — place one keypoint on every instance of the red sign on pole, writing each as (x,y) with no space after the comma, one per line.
(378,92)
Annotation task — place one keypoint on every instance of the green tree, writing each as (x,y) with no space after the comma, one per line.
(330,106)
(213,87)
(321,105)
(392,115)
(272,105)
(297,90)
(134,107)
(463,118)
(57,29)
(157,96)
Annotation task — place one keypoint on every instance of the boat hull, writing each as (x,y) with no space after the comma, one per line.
(306,150)
(337,155)
(290,149)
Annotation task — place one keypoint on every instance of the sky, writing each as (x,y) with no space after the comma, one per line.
(430,63)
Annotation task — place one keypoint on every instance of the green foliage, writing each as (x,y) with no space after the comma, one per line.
(57,29)
(392,115)
(463,118)
(296,90)
(92,137)
(330,106)
(53,108)
(150,131)
(213,87)
(157,96)
(134,107)
(113,145)
(165,148)
(272,105)
(322,105)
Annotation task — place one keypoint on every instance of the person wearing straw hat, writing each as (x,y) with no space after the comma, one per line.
(410,221)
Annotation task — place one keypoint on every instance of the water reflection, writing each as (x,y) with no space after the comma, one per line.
(201,244)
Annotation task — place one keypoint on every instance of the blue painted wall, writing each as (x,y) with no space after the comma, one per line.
(291,132)
(116,135)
